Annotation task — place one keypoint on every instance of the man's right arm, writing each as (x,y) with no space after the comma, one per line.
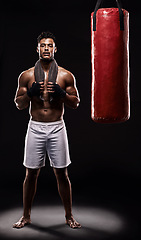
(22,100)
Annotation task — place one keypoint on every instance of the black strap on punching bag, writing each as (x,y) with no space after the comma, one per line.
(121,14)
(40,75)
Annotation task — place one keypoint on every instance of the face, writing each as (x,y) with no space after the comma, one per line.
(46,49)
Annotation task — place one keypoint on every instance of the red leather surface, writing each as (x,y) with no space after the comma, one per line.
(110,100)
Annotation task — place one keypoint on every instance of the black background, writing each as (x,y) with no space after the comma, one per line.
(106,163)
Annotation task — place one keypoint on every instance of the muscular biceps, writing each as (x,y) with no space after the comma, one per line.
(72,97)
(21,98)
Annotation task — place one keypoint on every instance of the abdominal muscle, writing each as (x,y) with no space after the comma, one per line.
(42,110)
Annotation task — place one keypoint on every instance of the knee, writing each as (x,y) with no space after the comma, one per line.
(62,175)
(32,174)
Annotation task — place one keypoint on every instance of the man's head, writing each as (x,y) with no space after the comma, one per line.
(46,46)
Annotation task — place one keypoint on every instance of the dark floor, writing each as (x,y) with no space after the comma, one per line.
(100,218)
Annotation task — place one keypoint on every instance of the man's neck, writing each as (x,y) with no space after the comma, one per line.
(45,64)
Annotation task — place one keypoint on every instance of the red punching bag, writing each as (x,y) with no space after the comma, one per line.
(110,101)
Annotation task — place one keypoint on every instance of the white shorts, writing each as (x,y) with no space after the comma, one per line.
(50,137)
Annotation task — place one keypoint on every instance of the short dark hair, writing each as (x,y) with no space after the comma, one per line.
(46,35)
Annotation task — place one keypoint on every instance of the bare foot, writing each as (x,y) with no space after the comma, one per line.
(22,222)
(72,223)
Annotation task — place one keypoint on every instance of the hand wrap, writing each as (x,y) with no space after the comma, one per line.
(58,91)
(34,90)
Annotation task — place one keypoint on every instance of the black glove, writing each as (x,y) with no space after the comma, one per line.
(58,91)
(34,90)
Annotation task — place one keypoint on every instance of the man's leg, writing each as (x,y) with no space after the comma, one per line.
(64,188)
(29,190)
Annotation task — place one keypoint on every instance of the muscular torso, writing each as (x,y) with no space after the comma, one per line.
(42,109)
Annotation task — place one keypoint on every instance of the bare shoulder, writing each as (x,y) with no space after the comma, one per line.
(26,76)
(70,83)
(66,75)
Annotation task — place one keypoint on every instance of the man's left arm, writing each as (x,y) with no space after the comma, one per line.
(69,95)
(71,98)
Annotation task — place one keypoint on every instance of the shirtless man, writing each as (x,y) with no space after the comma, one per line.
(46,129)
